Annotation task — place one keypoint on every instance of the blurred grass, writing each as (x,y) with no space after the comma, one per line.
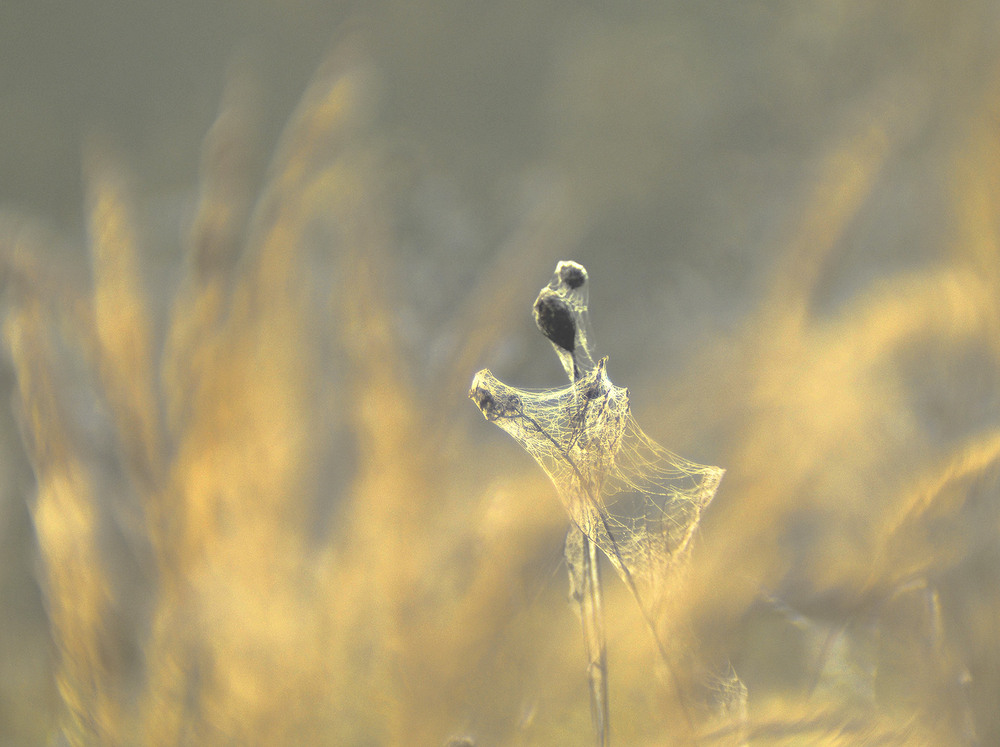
(267,515)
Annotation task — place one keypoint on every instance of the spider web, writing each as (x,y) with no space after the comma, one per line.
(639,503)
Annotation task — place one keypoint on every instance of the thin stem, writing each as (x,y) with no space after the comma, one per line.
(592,616)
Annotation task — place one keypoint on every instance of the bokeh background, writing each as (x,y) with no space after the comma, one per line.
(253,252)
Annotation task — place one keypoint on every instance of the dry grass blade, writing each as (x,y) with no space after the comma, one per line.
(67,523)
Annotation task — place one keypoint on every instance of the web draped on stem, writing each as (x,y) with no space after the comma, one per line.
(639,503)
(627,496)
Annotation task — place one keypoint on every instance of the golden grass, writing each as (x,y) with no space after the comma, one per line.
(221,567)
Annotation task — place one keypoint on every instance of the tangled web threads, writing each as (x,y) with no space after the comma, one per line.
(639,503)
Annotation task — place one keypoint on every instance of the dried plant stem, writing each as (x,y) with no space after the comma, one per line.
(585,575)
